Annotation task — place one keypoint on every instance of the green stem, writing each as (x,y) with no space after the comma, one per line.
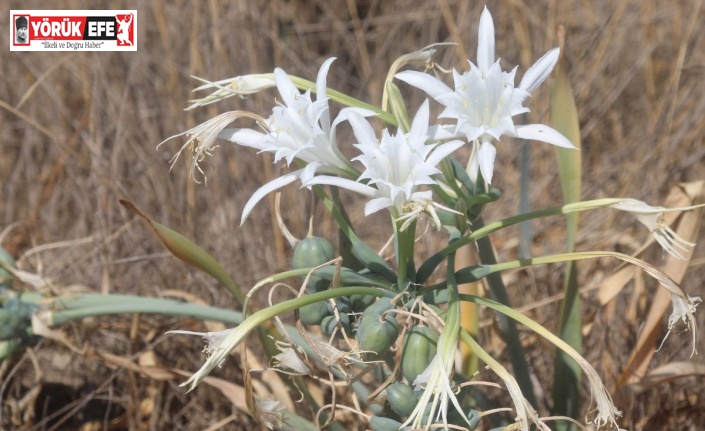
(362,251)
(404,250)
(344,99)
(237,335)
(431,263)
(174,309)
(498,292)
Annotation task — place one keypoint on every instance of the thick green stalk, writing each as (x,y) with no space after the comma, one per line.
(404,250)
(362,251)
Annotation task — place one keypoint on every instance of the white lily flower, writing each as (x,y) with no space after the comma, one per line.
(395,167)
(485,100)
(298,129)
(202,138)
(652,218)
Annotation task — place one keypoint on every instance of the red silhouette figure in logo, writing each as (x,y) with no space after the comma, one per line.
(124,30)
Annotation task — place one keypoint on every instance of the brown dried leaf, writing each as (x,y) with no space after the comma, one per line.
(667,373)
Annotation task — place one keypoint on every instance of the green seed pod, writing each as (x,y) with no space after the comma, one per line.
(402,399)
(376,334)
(313,314)
(378,423)
(311,252)
(5,276)
(418,350)
(329,323)
(379,307)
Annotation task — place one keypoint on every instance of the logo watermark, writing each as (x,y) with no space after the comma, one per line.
(73,30)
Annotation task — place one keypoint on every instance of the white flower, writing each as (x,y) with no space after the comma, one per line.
(485,100)
(652,218)
(298,129)
(202,138)
(214,339)
(684,310)
(239,86)
(395,167)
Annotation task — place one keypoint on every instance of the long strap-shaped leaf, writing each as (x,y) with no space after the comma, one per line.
(566,377)
(189,252)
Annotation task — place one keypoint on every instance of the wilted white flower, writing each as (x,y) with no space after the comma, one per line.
(202,138)
(684,310)
(239,86)
(214,339)
(435,380)
(485,100)
(271,413)
(288,359)
(395,167)
(652,218)
(298,129)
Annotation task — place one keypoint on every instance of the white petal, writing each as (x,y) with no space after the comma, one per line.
(364,133)
(442,132)
(485,41)
(423,81)
(343,116)
(485,159)
(540,70)
(419,127)
(441,151)
(246,137)
(309,171)
(285,86)
(342,182)
(321,96)
(375,205)
(541,132)
(263,191)
(321,79)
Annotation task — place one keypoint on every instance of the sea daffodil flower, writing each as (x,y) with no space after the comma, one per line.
(652,218)
(485,100)
(395,167)
(298,129)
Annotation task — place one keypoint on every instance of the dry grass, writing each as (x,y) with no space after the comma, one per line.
(79,131)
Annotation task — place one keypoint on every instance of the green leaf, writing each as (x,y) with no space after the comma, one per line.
(564,118)
(189,252)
